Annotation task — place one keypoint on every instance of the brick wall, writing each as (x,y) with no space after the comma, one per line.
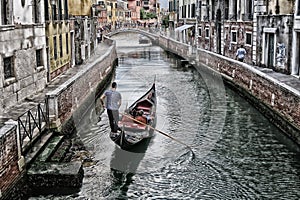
(9,171)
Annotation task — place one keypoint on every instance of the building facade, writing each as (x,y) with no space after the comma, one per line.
(268,29)
(135,10)
(23,63)
(58,37)
(101,13)
(82,16)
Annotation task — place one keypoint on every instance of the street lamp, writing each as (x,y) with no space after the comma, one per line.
(53,2)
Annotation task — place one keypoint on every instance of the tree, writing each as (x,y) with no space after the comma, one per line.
(165,21)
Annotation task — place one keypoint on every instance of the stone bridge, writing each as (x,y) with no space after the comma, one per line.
(149,33)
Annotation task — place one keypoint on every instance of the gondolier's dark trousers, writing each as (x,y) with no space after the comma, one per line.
(113,116)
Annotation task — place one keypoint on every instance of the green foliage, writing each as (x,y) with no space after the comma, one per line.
(165,21)
(147,15)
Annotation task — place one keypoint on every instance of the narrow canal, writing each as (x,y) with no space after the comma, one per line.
(239,154)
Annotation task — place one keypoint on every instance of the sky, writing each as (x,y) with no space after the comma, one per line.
(163,3)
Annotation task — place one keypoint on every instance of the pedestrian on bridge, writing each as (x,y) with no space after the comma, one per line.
(240,53)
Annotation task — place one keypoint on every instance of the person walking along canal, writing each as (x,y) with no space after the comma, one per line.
(240,53)
(113,103)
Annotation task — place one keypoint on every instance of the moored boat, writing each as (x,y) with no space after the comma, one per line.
(135,121)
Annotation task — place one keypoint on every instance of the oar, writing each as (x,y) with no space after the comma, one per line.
(161,132)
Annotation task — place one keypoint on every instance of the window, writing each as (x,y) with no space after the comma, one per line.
(138,3)
(248,39)
(193,11)
(67,43)
(36,13)
(8,64)
(184,11)
(54,16)
(55,47)
(207,32)
(207,9)
(39,57)
(60,16)
(298,8)
(46,10)
(200,32)
(5,12)
(60,46)
(233,37)
(67,10)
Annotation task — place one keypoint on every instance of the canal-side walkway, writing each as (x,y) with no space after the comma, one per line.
(289,82)
(30,102)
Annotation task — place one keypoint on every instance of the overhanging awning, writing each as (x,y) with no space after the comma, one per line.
(183,27)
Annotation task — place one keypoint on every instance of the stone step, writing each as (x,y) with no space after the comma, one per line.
(61,152)
(47,175)
(50,147)
(37,147)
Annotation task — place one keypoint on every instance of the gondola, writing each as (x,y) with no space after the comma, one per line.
(135,121)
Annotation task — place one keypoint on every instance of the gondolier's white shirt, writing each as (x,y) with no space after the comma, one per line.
(112,99)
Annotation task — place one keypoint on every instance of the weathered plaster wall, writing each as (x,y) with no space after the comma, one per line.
(54,31)
(80,7)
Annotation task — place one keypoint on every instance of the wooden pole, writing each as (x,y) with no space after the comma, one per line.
(159,131)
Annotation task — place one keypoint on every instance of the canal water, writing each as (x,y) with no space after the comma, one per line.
(236,153)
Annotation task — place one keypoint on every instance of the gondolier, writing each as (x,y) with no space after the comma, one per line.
(135,121)
(113,103)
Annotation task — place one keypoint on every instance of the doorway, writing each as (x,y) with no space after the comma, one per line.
(72,49)
(269,55)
